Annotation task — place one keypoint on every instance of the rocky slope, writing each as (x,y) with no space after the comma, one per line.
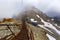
(37,18)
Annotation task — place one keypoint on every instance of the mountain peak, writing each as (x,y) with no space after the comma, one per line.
(31,13)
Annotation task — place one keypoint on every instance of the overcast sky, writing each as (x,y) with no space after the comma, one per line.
(10,7)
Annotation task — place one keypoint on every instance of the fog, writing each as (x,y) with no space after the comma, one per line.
(8,8)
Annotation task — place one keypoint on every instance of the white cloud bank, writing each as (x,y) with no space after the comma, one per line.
(10,7)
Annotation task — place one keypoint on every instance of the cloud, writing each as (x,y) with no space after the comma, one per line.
(41,4)
(10,7)
(53,9)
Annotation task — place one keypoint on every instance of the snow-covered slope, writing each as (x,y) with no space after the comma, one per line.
(50,28)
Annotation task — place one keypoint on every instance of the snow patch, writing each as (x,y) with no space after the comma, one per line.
(52,19)
(32,20)
(50,37)
(57,25)
(42,26)
(38,16)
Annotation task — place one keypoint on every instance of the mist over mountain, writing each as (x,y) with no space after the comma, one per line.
(53,13)
(30,12)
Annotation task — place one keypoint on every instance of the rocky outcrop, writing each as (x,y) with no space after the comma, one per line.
(30,32)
